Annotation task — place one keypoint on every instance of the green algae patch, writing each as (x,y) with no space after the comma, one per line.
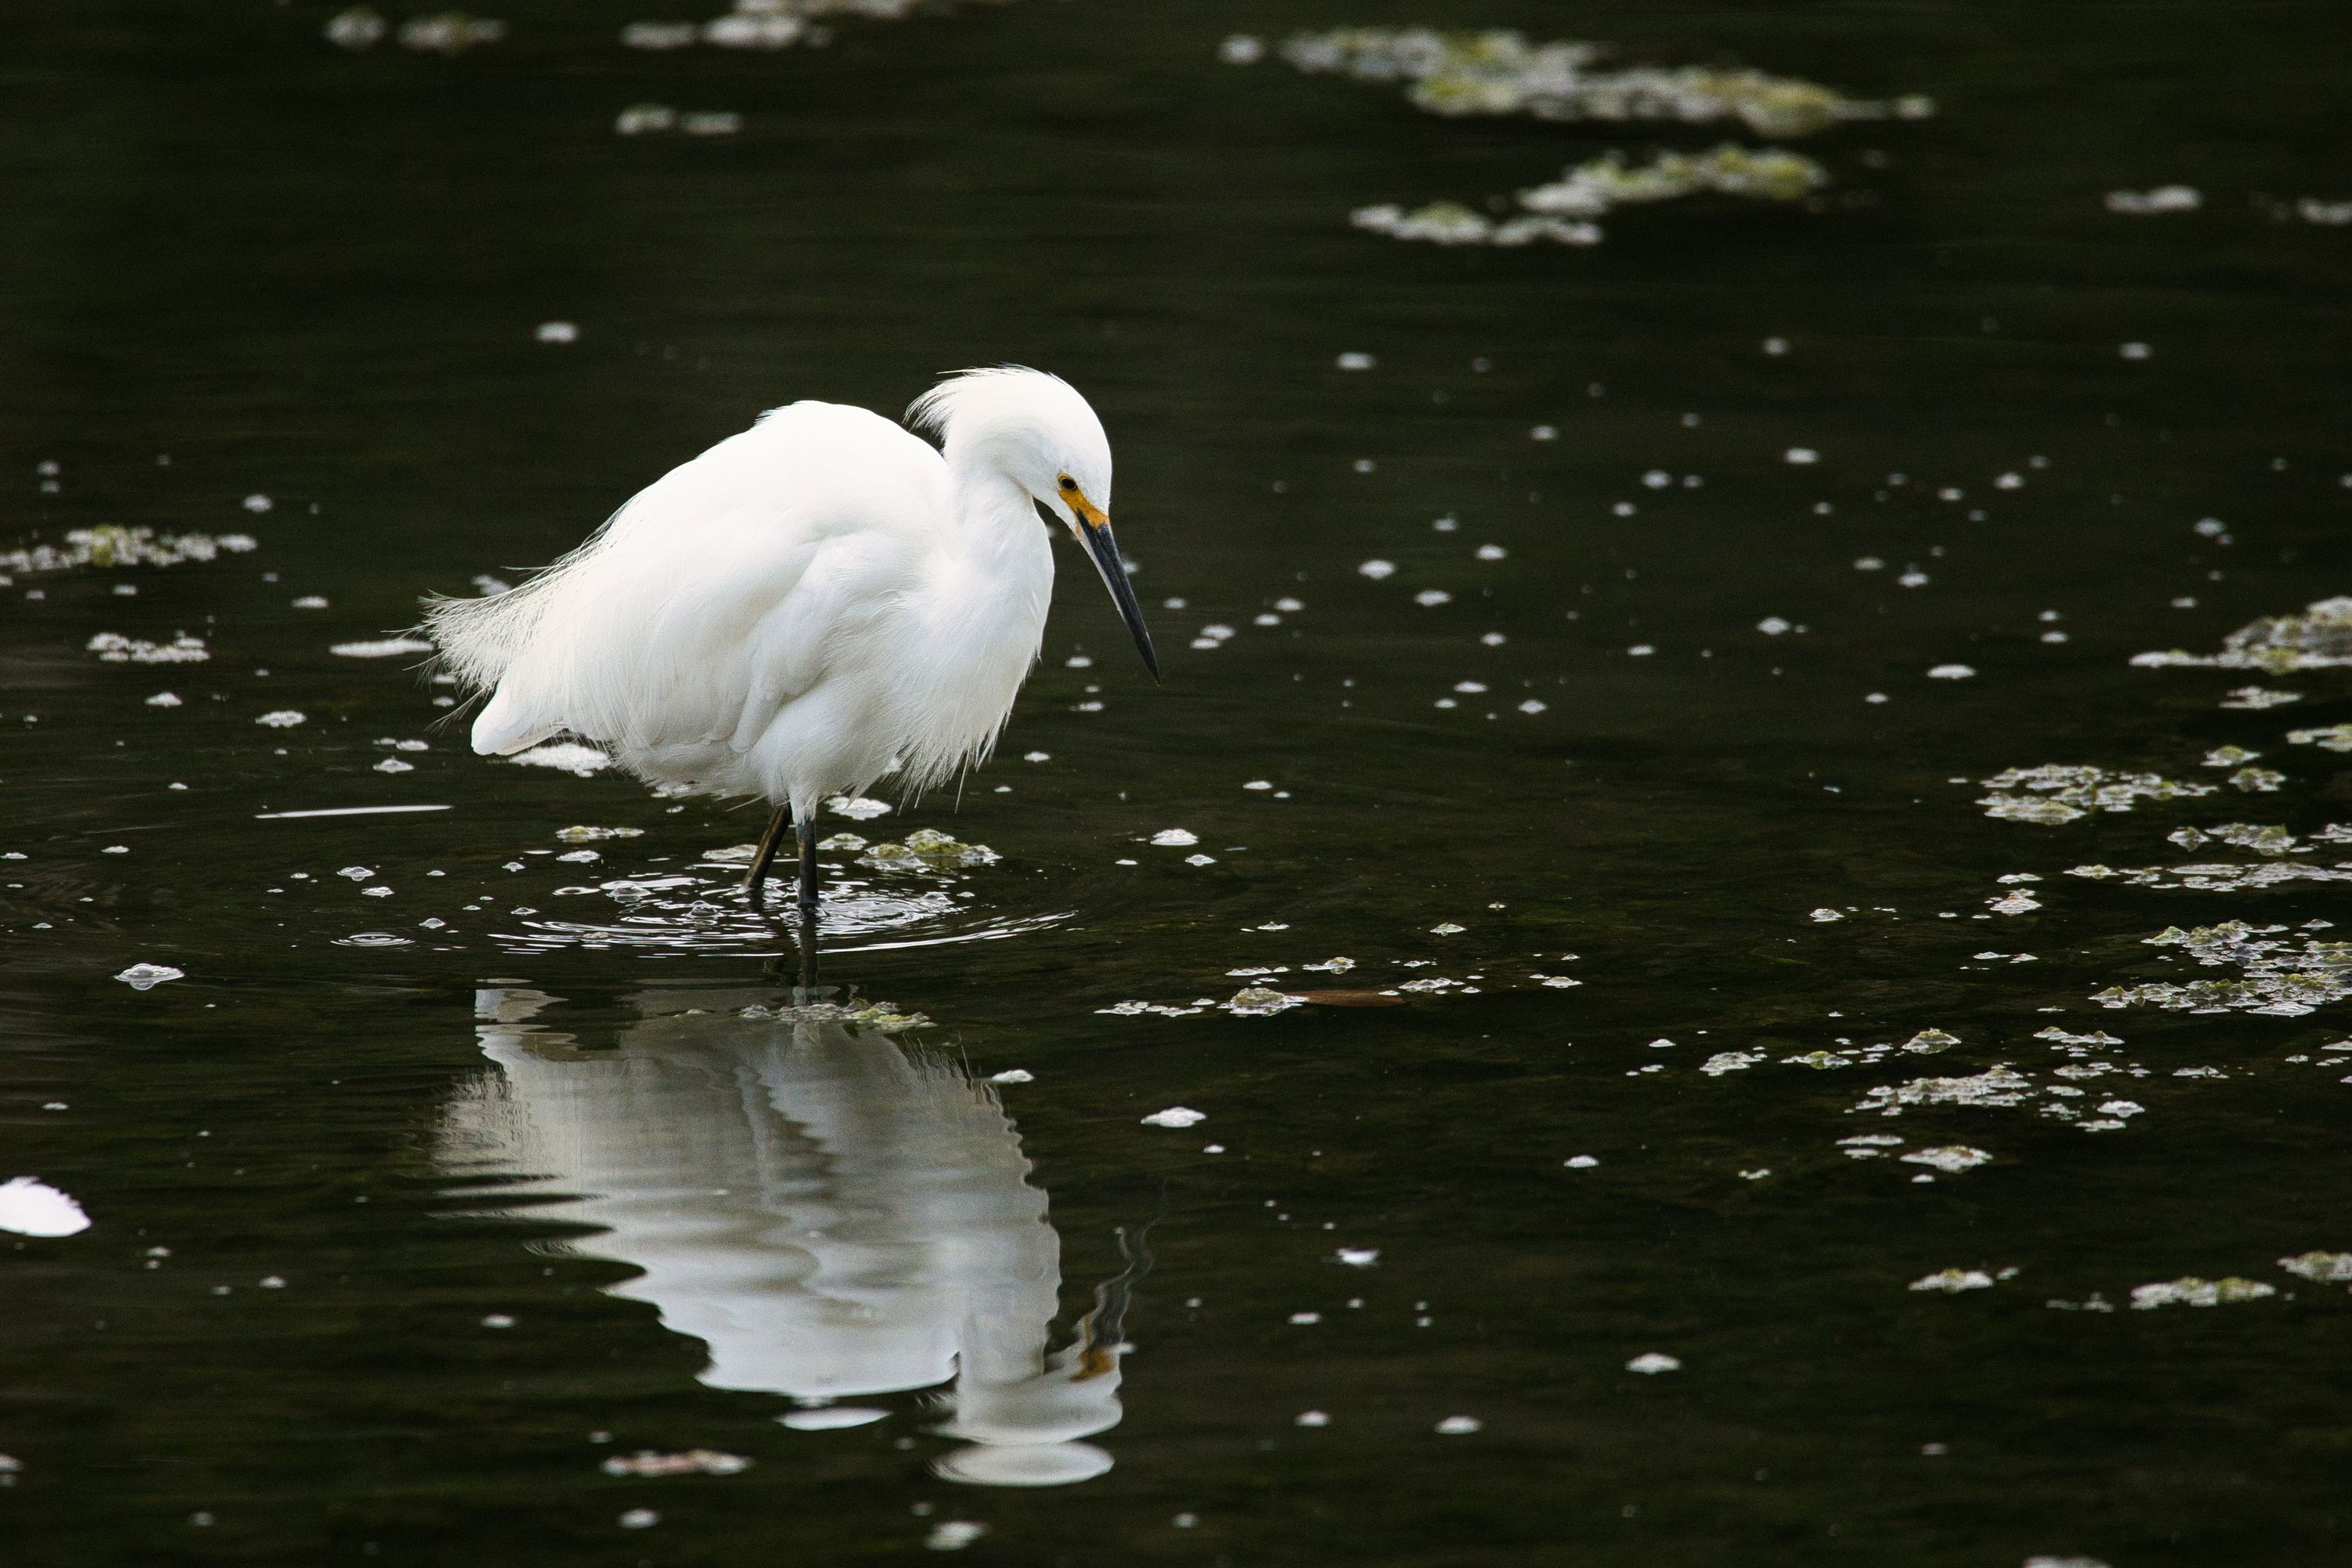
(1592,187)
(882,1016)
(2058,793)
(2190,1292)
(1451,223)
(1558,213)
(2318,638)
(1500,72)
(111,545)
(1996,1088)
(2279,978)
(2333,738)
(927,850)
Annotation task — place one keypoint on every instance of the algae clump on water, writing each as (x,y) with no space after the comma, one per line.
(1500,73)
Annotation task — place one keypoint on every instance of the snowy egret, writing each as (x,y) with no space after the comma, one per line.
(809,605)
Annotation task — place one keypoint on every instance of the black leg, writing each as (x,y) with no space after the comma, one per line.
(770,842)
(808,891)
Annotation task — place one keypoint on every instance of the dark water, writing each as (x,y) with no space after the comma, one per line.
(455,1213)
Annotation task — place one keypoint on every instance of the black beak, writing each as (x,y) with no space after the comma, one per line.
(1105,550)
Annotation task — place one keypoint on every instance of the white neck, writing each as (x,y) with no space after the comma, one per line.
(990,508)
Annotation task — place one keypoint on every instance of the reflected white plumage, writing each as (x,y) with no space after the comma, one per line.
(809,605)
(833,1215)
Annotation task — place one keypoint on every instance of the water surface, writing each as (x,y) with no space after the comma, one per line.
(451,1168)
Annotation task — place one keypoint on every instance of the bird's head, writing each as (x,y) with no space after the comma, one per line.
(1036,431)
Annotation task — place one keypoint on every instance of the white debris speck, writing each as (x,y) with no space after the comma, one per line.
(1013,1075)
(639,1519)
(147,976)
(1459,1426)
(1305,1320)
(1377,569)
(1357,362)
(1642,650)
(1951,1158)
(282,719)
(31,1207)
(1825,915)
(1722,1062)
(1174,838)
(163,699)
(395,765)
(1800,456)
(1772,625)
(381,647)
(954,1534)
(1176,1116)
(1430,599)
(2135,350)
(2016,903)
(693,1462)
(1952,1281)
(1580,1162)
(497,1321)
(1533,706)
(1242,49)
(1200,859)
(1544,433)
(1652,1363)
(2162,199)
(1036,756)
(257,503)
(1446,928)
(1311,1418)
(859,809)
(1359,1256)
(568,755)
(557,331)
(311,602)
(1952,672)
(357,28)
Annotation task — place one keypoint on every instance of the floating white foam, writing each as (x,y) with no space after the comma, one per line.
(32,1207)
(381,647)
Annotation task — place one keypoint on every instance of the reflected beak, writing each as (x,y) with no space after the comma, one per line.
(1094,532)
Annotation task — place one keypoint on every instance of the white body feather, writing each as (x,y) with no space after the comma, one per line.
(808,605)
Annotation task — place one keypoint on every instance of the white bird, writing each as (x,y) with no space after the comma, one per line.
(812,604)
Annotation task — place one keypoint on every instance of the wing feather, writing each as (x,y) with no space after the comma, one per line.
(713,598)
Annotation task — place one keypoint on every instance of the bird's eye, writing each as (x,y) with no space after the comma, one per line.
(1068,483)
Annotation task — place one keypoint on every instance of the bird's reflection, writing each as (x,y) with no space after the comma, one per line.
(831,1213)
